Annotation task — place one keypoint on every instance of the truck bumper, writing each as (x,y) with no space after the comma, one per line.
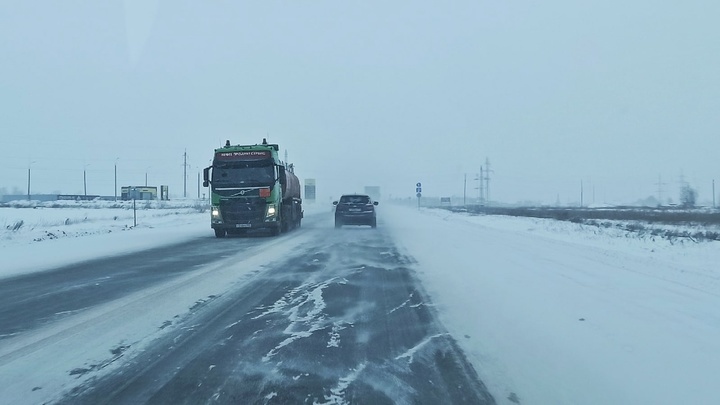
(244,225)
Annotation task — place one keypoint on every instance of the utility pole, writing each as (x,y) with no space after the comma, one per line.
(582,194)
(198,185)
(146,175)
(116,179)
(714,193)
(185,174)
(487,180)
(29,166)
(482,191)
(85,180)
(464,190)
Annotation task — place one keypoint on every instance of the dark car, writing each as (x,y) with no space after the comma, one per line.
(355,209)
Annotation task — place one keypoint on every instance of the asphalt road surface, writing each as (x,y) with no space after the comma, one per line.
(342,319)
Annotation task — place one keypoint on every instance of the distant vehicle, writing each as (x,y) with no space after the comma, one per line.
(251,188)
(373,192)
(355,209)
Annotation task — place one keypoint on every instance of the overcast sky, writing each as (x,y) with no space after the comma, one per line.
(611,93)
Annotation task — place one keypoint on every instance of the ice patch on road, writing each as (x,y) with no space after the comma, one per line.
(337,394)
(407,301)
(411,352)
(335,334)
(271,395)
(303,306)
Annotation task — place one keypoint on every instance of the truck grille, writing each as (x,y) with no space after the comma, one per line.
(242,210)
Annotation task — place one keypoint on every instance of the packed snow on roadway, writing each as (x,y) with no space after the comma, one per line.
(548,312)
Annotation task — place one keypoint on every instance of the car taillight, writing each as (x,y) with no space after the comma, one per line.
(264,192)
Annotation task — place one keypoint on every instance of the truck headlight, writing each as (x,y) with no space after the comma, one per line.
(271,211)
(215,212)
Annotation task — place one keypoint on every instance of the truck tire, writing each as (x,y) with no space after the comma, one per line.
(275,231)
(373,224)
(284,226)
(219,233)
(338,224)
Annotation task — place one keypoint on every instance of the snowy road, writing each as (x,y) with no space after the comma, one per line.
(315,316)
(432,307)
(38,298)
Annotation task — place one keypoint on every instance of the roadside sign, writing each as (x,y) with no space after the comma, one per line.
(418,195)
(418,184)
(310,190)
(418,190)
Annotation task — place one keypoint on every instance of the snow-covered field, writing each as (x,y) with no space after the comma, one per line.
(38,237)
(548,312)
(553,312)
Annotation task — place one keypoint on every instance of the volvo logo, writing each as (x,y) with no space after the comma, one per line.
(243,192)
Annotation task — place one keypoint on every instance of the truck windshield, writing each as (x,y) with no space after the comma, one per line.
(242,175)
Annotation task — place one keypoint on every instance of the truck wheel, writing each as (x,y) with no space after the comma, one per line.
(219,233)
(338,224)
(374,223)
(275,231)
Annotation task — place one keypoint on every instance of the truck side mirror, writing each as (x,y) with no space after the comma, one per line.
(281,174)
(206,176)
(375,203)
(335,203)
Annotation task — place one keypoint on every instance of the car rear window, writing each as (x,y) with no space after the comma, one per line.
(354,199)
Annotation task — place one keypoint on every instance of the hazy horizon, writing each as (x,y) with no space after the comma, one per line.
(611,94)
